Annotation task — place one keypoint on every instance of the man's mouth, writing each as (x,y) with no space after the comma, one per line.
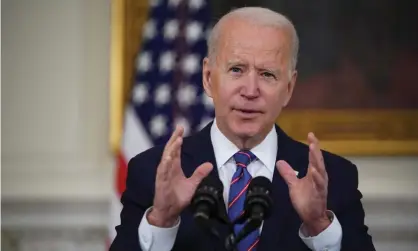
(247,112)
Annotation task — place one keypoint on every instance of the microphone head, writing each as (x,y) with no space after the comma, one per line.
(260,182)
(258,200)
(211,181)
(205,201)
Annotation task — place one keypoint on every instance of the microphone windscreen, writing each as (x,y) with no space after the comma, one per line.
(212,181)
(260,181)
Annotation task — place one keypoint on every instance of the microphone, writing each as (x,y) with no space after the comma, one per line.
(206,202)
(257,207)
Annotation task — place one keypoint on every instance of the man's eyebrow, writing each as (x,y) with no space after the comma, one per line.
(270,69)
(235,62)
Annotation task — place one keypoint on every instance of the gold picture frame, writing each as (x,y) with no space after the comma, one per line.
(346,132)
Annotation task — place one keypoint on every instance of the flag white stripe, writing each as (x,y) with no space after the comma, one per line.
(135,137)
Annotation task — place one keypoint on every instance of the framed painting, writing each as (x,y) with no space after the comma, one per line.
(357,85)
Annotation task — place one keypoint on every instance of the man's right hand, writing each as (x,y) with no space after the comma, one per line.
(173,191)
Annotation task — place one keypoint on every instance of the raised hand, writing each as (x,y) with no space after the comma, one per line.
(309,194)
(173,191)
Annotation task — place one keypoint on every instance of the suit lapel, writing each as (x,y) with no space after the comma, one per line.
(199,150)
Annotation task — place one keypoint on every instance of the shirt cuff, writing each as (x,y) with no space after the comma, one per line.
(329,239)
(156,238)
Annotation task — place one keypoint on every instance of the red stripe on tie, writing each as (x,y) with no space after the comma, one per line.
(239,195)
(240,164)
(246,154)
(237,178)
(255,243)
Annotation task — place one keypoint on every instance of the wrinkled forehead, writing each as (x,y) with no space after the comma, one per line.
(249,41)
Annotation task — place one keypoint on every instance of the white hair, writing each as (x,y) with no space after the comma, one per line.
(261,16)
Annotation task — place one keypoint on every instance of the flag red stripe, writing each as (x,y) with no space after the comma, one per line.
(122,172)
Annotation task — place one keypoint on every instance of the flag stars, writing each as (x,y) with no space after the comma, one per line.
(150,29)
(196,4)
(174,3)
(183,122)
(140,93)
(155,3)
(193,32)
(162,94)
(171,29)
(167,60)
(186,95)
(190,64)
(158,126)
(144,63)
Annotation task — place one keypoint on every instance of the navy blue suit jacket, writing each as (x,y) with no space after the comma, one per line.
(280,231)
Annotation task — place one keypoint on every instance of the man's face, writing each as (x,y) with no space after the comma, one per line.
(250,80)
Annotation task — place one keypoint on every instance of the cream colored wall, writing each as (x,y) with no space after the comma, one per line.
(55,58)
(55,99)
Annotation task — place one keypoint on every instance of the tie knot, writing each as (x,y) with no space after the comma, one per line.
(244,158)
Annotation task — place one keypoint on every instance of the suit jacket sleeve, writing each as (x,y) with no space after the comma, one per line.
(351,213)
(136,199)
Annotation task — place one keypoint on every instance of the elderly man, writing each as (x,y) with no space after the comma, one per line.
(250,74)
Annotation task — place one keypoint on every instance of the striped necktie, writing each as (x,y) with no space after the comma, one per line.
(237,194)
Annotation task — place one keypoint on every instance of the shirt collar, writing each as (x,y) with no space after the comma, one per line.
(224,149)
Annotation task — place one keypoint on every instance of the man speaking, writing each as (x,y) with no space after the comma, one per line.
(250,73)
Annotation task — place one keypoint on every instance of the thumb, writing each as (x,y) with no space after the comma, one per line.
(201,172)
(287,172)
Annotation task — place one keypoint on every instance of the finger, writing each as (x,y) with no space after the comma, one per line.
(200,173)
(312,138)
(174,147)
(176,167)
(319,181)
(163,168)
(287,172)
(311,141)
(178,132)
(317,159)
(315,154)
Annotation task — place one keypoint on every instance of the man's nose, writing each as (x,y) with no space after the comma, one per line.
(250,88)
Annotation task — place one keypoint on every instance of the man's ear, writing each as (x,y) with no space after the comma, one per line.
(206,77)
(290,87)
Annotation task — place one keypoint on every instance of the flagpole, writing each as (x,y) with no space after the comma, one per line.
(116,95)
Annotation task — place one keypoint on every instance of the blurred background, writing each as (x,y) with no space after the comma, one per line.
(67,80)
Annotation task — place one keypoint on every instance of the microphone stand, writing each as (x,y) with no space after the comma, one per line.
(251,224)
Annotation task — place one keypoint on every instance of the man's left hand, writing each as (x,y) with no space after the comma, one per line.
(309,194)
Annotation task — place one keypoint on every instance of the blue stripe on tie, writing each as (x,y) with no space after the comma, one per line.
(241,179)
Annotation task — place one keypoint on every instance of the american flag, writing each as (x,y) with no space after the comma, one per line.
(168,83)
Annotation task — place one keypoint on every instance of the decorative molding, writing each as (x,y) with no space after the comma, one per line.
(55,214)
(82,225)
(55,225)
(56,239)
(58,179)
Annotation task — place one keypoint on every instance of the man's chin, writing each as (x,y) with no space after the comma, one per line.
(246,130)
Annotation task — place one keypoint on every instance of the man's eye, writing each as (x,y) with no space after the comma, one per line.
(268,75)
(235,69)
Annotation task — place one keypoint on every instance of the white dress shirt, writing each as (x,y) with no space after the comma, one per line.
(160,239)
